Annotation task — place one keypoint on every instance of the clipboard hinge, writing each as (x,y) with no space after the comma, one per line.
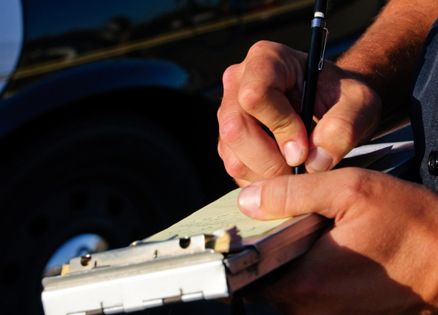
(243,260)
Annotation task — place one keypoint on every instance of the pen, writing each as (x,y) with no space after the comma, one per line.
(314,64)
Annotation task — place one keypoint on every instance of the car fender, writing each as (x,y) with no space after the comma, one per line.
(72,85)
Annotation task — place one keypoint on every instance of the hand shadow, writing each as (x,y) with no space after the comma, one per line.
(345,282)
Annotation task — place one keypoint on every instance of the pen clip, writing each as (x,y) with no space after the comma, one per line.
(324,44)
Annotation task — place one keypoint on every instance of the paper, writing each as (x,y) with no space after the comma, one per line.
(379,148)
(367,155)
(224,213)
(221,214)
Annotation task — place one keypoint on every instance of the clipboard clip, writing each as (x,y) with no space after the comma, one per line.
(151,274)
(143,275)
(221,241)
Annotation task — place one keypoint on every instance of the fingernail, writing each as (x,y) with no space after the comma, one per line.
(319,160)
(293,153)
(250,199)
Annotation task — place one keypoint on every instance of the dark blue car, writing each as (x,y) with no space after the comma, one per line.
(108,118)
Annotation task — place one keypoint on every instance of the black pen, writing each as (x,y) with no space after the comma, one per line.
(315,61)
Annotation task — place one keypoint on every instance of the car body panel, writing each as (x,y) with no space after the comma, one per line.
(184,35)
(88,80)
(11,38)
(190,33)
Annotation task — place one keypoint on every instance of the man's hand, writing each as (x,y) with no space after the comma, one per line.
(379,258)
(264,92)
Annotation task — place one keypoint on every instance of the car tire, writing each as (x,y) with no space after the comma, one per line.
(117,176)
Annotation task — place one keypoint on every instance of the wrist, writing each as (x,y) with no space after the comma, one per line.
(359,68)
(426,229)
(393,97)
(432,296)
(386,60)
(367,104)
(429,292)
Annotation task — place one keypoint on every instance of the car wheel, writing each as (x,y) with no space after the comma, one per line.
(85,185)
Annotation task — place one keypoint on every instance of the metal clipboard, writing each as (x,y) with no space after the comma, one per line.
(152,274)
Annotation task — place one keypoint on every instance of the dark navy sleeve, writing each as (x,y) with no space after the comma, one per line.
(425,112)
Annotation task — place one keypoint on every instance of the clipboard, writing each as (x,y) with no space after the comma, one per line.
(210,254)
(172,266)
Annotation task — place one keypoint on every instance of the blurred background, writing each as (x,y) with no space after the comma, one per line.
(108,120)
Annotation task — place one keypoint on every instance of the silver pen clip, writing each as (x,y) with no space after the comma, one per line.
(321,61)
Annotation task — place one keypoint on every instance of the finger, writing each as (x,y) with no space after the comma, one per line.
(266,78)
(242,182)
(351,120)
(329,193)
(252,146)
(234,167)
(243,135)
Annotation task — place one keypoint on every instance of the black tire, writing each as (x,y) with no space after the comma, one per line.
(115,175)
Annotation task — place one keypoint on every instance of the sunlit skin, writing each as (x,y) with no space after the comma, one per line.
(381,255)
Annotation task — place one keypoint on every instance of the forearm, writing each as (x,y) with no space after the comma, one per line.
(387,55)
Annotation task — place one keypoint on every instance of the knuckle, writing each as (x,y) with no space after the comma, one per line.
(358,188)
(287,202)
(284,126)
(261,45)
(230,74)
(230,128)
(346,136)
(236,169)
(252,97)
(273,170)
(221,112)
(342,130)
(220,150)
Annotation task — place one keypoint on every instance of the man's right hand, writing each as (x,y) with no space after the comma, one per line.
(264,92)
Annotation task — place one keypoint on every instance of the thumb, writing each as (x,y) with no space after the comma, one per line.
(350,121)
(326,193)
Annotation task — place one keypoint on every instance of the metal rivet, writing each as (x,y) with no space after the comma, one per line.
(85,259)
(432,163)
